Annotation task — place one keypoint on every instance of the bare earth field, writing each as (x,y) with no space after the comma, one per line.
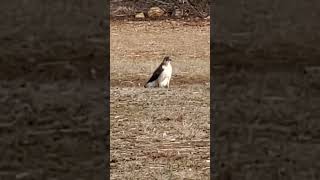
(160,133)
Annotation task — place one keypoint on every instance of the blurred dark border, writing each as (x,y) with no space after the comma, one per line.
(212,94)
(107,86)
(265,90)
(54,90)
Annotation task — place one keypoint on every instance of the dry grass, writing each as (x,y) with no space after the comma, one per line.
(159,133)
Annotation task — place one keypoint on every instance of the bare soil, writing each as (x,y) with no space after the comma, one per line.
(160,133)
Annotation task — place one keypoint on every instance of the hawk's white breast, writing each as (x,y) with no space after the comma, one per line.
(165,75)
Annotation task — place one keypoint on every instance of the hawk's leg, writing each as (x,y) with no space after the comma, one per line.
(168,85)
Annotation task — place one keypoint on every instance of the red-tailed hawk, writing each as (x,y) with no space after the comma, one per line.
(162,75)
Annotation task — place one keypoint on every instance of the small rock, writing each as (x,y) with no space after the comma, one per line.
(178,13)
(164,134)
(155,12)
(140,16)
(173,22)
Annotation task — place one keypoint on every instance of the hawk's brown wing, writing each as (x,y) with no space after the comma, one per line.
(156,74)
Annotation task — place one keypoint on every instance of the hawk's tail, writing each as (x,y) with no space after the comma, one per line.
(150,84)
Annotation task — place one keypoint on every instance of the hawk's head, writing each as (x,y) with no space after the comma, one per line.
(166,60)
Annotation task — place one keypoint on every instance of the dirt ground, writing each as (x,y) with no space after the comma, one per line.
(160,133)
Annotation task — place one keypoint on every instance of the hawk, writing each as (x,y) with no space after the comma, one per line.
(162,75)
